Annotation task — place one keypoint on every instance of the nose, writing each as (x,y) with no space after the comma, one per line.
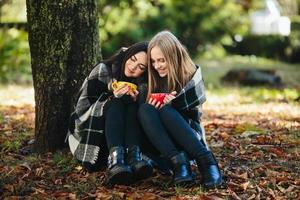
(155,65)
(133,67)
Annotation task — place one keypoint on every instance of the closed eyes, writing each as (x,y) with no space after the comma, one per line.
(160,60)
(142,67)
(133,58)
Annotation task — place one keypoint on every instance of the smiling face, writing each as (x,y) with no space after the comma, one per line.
(136,65)
(158,61)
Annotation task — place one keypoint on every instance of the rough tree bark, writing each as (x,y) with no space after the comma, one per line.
(64,46)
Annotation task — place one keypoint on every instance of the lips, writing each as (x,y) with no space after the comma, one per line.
(161,71)
(130,71)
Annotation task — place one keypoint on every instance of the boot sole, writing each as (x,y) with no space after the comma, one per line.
(143,172)
(218,184)
(122,178)
(183,181)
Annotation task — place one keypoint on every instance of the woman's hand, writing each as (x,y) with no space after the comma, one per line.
(169,97)
(118,93)
(155,103)
(134,94)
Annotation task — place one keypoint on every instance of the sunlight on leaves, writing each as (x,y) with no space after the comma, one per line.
(16,95)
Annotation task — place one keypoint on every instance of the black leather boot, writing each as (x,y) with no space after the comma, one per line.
(141,168)
(118,172)
(181,169)
(209,169)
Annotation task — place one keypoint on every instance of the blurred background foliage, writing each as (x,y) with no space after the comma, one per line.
(210,29)
(200,25)
(14,56)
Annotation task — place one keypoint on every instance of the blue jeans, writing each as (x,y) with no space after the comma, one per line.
(169,132)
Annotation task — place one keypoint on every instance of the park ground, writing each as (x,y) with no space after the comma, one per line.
(254,133)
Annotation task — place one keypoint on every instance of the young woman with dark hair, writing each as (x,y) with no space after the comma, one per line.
(104,123)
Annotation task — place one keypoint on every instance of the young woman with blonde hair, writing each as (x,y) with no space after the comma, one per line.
(173,126)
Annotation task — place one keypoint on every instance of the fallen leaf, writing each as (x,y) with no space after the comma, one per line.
(278,151)
(290,188)
(58,182)
(9,187)
(213,197)
(271,192)
(249,133)
(149,196)
(104,196)
(224,135)
(245,185)
(217,144)
(26,165)
(281,188)
(72,196)
(78,168)
(252,197)
(40,191)
(243,176)
(234,195)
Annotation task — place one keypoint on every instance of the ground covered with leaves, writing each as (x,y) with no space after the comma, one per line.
(254,133)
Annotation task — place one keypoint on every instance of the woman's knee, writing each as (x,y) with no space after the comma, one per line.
(145,110)
(166,112)
(112,105)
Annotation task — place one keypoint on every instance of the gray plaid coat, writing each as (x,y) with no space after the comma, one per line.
(86,130)
(189,103)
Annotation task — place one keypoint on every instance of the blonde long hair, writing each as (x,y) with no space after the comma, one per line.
(180,65)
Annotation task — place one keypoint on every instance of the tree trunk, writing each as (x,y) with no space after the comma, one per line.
(64,46)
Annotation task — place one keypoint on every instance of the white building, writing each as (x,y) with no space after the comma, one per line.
(270,21)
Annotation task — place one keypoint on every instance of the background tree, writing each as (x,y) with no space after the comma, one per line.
(64,46)
(199,24)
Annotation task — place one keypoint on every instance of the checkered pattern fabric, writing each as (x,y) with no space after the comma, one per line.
(86,130)
(189,102)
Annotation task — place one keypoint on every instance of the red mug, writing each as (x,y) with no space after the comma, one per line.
(159,97)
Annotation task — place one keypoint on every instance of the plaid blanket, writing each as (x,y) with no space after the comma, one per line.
(86,130)
(189,102)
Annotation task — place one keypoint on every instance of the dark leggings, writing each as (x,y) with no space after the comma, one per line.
(121,124)
(169,131)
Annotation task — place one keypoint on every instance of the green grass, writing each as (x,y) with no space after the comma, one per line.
(225,94)
(15,144)
(248,127)
(32,158)
(179,190)
(213,70)
(64,162)
(261,94)
(1,118)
